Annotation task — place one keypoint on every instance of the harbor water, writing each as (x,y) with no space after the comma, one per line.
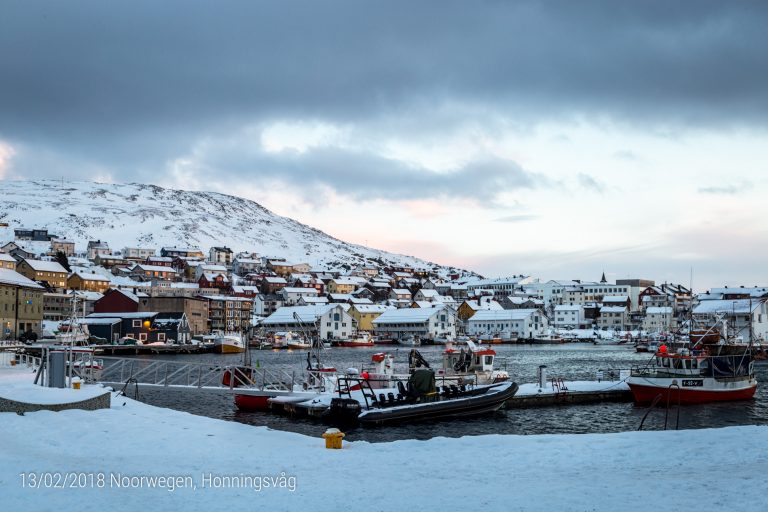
(572,362)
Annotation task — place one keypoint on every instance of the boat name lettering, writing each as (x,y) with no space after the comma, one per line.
(693,383)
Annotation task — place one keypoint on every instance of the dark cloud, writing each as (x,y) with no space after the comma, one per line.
(364,176)
(132,84)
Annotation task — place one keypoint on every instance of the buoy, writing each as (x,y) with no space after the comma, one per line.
(663,349)
(364,375)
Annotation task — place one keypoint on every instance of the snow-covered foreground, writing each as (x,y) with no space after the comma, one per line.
(100,457)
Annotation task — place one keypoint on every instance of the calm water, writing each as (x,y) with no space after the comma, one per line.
(571,362)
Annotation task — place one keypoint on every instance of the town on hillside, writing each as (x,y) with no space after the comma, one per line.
(177,295)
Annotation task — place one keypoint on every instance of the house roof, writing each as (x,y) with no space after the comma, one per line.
(154,268)
(658,310)
(613,309)
(402,291)
(738,306)
(406,315)
(90,276)
(615,298)
(46,266)
(371,308)
(8,276)
(495,315)
(307,314)
(292,289)
(7,257)
(140,314)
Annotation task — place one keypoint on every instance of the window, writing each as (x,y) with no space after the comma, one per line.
(161,336)
(137,323)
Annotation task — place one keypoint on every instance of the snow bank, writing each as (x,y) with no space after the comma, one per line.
(95,452)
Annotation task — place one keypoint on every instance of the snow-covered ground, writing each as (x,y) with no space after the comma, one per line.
(110,459)
(17,384)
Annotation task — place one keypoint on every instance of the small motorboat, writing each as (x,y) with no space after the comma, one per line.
(419,400)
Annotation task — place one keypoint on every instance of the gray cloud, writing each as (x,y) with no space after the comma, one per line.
(728,189)
(588,182)
(363,175)
(130,85)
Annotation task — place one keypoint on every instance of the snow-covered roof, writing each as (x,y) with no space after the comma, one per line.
(140,314)
(46,266)
(211,276)
(8,276)
(613,309)
(307,314)
(371,308)
(615,298)
(494,315)
(658,310)
(7,257)
(292,289)
(568,307)
(315,300)
(154,268)
(90,276)
(402,291)
(406,315)
(228,297)
(485,304)
(346,281)
(275,280)
(738,306)
(427,293)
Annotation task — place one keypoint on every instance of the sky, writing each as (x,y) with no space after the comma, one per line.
(554,139)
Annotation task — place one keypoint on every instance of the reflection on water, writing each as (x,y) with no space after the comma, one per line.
(571,361)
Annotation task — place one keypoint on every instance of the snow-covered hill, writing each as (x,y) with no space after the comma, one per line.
(151,216)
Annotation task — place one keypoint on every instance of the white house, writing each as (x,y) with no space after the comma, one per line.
(613,317)
(427,323)
(245,266)
(329,321)
(519,323)
(291,295)
(742,316)
(266,304)
(659,319)
(567,315)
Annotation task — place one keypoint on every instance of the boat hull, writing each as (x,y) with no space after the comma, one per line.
(224,348)
(491,401)
(645,391)
(350,344)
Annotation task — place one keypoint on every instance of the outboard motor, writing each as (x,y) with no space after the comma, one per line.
(344,411)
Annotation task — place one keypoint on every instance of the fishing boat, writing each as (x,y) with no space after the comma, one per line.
(298,344)
(281,339)
(229,343)
(418,400)
(256,387)
(690,376)
(362,339)
(409,341)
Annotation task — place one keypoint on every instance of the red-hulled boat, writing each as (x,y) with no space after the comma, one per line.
(694,376)
(363,339)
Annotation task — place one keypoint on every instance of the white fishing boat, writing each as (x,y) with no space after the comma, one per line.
(409,341)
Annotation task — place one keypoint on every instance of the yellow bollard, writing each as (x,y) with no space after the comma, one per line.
(333,438)
(76,385)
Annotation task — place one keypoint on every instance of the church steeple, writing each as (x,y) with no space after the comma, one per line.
(603,280)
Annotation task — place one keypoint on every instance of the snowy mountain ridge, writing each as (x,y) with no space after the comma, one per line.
(138,215)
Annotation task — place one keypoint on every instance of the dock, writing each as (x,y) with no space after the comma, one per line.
(570,393)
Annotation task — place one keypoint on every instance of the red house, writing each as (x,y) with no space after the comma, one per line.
(118,301)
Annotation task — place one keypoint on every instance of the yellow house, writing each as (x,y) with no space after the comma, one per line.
(342,285)
(89,282)
(7,261)
(49,272)
(21,305)
(365,314)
